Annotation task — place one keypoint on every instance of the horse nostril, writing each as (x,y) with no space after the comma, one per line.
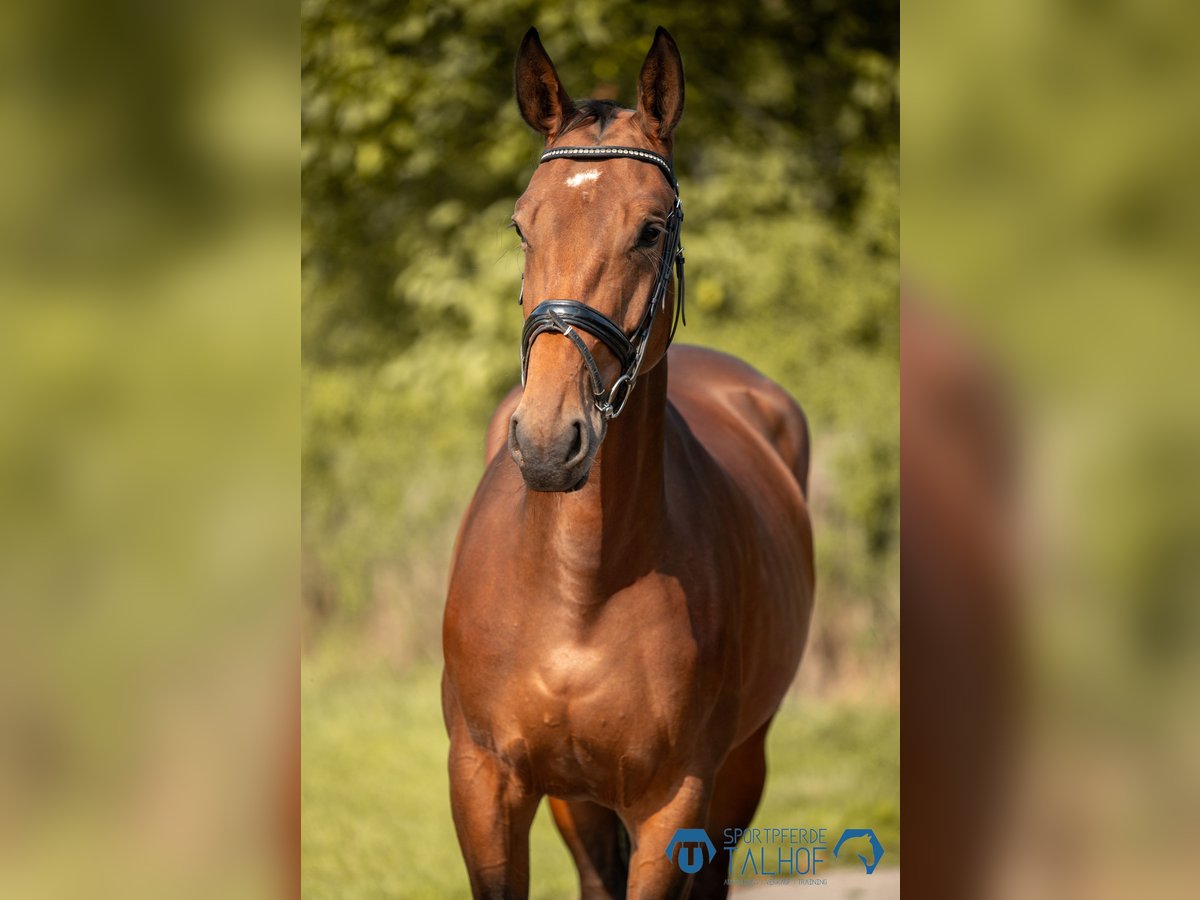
(514,441)
(576,450)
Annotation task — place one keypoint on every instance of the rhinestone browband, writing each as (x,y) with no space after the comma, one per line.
(664,165)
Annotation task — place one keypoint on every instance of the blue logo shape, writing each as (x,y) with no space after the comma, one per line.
(851,833)
(691,842)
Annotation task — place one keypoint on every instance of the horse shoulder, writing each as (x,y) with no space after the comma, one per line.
(497,480)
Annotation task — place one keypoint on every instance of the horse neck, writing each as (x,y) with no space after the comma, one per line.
(605,536)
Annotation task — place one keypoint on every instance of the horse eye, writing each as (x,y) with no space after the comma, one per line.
(649,236)
(517,228)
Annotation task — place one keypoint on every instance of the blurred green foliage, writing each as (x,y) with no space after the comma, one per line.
(413,155)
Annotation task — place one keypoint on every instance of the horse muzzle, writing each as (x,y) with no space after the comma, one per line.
(552,459)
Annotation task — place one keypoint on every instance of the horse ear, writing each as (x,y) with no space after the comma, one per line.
(660,88)
(543,102)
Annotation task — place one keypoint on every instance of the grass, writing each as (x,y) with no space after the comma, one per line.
(376,809)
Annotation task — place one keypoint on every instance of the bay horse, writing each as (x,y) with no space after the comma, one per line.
(632,583)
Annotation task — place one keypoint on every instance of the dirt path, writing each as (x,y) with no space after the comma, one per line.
(881,885)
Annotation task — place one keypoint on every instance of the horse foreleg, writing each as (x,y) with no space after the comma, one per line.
(652,874)
(736,795)
(594,835)
(492,815)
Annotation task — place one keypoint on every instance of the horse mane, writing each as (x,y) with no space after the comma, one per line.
(601,112)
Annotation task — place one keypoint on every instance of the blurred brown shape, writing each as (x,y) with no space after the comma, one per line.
(959,622)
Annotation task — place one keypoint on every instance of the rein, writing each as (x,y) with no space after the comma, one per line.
(569,317)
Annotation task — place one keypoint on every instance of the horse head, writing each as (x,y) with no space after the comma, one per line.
(596,233)
(851,834)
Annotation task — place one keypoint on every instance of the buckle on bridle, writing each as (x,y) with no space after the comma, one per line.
(612,407)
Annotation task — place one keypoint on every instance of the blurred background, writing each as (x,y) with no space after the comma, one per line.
(1051,614)
(413,156)
(149,407)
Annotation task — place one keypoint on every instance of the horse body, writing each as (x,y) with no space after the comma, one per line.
(620,643)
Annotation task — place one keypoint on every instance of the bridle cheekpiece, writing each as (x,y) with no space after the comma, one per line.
(569,317)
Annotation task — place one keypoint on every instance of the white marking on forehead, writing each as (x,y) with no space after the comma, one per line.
(583,177)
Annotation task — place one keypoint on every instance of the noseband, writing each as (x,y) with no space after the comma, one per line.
(569,317)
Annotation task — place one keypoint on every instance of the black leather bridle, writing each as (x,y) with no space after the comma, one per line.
(568,317)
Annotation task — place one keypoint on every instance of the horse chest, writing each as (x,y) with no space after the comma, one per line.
(586,722)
